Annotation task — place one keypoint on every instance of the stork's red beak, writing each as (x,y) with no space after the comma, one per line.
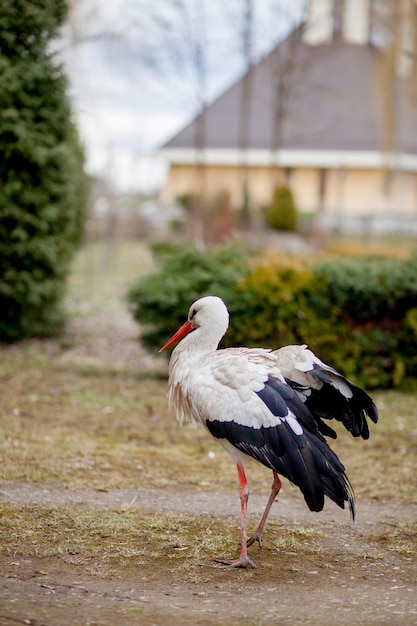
(181,332)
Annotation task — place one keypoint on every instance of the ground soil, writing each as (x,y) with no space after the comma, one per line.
(356,575)
(349,579)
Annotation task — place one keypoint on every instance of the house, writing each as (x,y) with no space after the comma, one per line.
(331,111)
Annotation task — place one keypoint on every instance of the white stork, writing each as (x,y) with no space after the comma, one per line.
(267,405)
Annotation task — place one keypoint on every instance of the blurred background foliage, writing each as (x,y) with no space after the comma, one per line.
(282,213)
(359,314)
(160,300)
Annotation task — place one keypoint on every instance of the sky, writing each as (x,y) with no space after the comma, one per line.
(131,75)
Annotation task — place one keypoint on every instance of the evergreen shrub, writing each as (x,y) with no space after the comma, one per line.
(42,185)
(359,315)
(160,301)
(281,214)
(375,299)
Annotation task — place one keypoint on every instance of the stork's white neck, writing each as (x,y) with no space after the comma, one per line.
(209,319)
(201,340)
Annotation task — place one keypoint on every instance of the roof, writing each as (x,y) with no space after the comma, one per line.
(333,96)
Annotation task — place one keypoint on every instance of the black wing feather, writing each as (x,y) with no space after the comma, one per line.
(329,403)
(279,449)
(305,459)
(276,392)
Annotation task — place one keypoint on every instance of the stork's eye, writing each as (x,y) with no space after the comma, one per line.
(193,313)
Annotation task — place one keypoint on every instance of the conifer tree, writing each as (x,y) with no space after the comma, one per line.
(42,184)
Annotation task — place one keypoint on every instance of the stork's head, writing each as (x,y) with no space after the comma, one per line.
(209,316)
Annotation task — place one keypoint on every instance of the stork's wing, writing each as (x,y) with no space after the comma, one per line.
(326,392)
(247,405)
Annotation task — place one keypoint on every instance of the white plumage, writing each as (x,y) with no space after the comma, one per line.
(268,405)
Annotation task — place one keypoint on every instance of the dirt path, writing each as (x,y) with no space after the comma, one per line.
(350,579)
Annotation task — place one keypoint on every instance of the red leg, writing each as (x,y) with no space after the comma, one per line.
(257,536)
(243,560)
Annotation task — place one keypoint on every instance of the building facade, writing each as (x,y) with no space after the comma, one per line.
(332,113)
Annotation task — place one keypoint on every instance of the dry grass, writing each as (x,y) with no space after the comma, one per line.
(99,539)
(97,429)
(384,466)
(73,426)
(106,542)
(394,246)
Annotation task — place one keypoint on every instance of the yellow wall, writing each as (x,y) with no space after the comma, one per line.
(358,192)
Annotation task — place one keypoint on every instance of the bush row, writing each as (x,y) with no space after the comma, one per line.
(160,301)
(359,315)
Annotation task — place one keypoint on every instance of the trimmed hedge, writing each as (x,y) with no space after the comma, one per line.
(160,301)
(359,315)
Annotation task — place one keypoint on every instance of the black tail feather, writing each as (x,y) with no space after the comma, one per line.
(335,483)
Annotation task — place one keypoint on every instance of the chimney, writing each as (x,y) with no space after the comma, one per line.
(356,21)
(319,24)
(328,19)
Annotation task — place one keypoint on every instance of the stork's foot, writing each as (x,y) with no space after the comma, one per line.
(241,562)
(257,536)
